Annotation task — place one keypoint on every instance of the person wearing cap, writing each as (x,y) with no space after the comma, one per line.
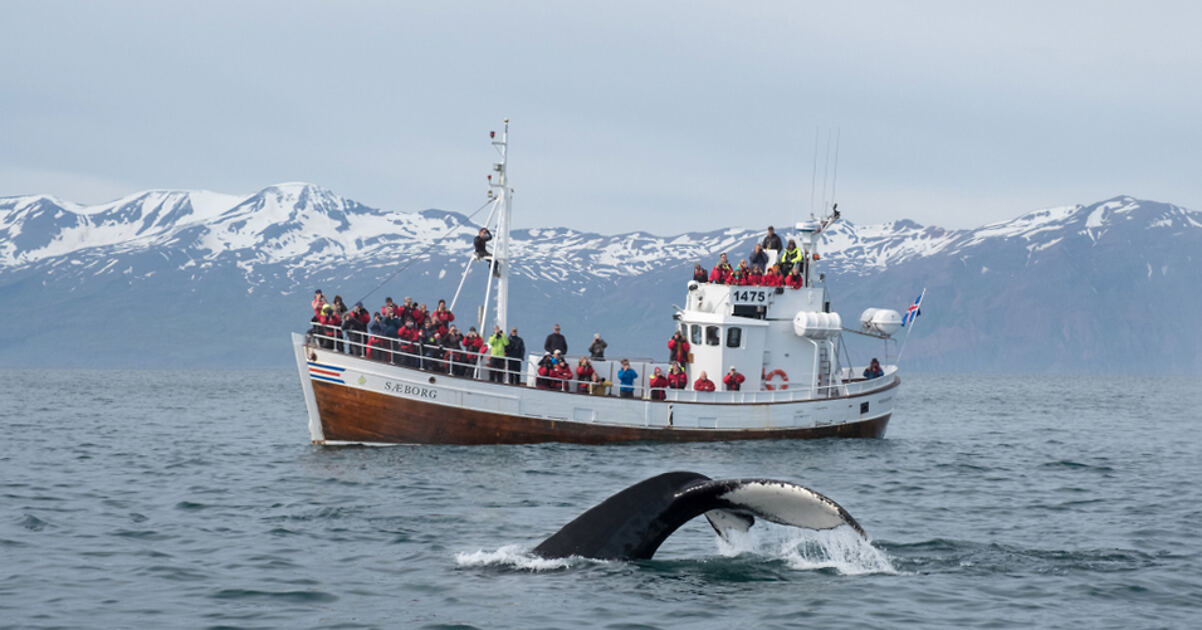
(545,367)
(515,352)
(626,378)
(562,373)
(556,341)
(703,383)
(677,379)
(331,323)
(733,380)
(596,350)
(658,384)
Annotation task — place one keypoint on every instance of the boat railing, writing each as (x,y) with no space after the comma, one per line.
(482,366)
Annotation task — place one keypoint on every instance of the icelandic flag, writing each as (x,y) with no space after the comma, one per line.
(913,311)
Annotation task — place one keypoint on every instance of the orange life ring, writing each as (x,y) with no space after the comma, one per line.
(783,377)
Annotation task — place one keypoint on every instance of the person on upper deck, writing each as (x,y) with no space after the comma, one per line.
(377,343)
(657,385)
(319,300)
(596,350)
(756,277)
(795,280)
(431,347)
(773,277)
(759,257)
(699,275)
(626,378)
(388,303)
(722,271)
(790,258)
(771,241)
(678,348)
(703,383)
(408,337)
(556,341)
(677,379)
(733,380)
(873,370)
(515,352)
(340,306)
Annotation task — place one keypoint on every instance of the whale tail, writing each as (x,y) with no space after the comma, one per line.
(632,524)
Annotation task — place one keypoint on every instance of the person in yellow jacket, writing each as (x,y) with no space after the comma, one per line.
(790,257)
(496,350)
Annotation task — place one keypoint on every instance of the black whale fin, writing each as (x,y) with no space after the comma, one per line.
(632,524)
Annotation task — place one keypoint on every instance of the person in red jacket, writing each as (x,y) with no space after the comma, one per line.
(562,374)
(795,280)
(473,343)
(721,272)
(408,336)
(584,374)
(331,327)
(678,348)
(773,277)
(733,380)
(737,277)
(699,274)
(703,384)
(443,317)
(677,379)
(389,305)
(756,277)
(658,383)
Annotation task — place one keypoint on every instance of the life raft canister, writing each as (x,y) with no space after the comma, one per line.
(783,377)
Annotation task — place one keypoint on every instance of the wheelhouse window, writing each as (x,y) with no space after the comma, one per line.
(712,336)
(734,337)
(696,337)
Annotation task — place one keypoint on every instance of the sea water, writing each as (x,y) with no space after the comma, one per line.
(194,499)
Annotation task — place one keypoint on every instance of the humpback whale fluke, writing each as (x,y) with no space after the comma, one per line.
(633,523)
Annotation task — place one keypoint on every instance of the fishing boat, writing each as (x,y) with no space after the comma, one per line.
(786,343)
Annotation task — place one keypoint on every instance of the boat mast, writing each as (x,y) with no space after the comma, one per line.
(501,252)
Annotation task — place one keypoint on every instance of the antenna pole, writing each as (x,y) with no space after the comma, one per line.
(814,173)
(501,254)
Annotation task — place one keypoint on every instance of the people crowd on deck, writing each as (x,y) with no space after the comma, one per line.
(410,334)
(755,270)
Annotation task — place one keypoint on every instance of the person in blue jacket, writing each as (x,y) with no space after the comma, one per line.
(873,370)
(626,378)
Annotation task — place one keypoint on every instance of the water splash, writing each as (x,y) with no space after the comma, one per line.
(839,549)
(517,557)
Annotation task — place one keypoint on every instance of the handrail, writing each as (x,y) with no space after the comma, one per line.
(473,368)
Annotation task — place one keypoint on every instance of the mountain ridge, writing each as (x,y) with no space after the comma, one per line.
(281,242)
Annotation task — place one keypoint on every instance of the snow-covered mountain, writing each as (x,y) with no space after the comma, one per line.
(197,278)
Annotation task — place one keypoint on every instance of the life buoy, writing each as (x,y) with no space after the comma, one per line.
(783,377)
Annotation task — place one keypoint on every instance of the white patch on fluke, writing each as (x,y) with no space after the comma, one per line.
(787,504)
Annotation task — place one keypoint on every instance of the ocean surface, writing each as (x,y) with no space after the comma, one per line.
(194,499)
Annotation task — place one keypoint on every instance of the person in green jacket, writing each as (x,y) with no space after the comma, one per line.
(790,257)
(496,350)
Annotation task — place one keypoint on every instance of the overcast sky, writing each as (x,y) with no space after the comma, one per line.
(657,116)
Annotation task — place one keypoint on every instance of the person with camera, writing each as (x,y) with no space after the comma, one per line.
(514,353)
